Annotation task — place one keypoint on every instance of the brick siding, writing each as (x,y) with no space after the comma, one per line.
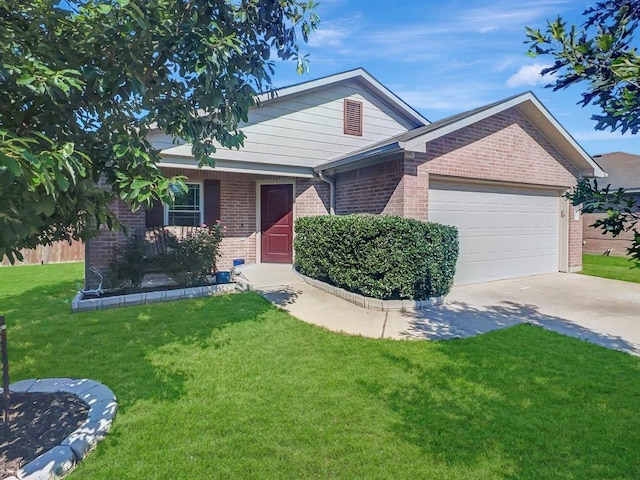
(503,148)
(597,243)
(376,189)
(237,214)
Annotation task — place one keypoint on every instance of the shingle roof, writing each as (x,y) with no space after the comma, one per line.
(526,102)
(416,132)
(623,169)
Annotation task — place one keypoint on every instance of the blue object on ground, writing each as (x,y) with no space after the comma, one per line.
(223,277)
(238,261)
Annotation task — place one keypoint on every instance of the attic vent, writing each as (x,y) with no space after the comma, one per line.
(352,117)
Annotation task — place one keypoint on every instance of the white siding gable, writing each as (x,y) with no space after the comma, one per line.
(306,129)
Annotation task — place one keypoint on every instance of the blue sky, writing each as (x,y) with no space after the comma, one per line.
(447,56)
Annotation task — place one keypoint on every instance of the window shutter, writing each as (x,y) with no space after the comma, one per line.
(211,201)
(155,216)
(352,117)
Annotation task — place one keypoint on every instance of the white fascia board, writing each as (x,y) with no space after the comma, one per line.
(357,74)
(383,150)
(417,144)
(239,167)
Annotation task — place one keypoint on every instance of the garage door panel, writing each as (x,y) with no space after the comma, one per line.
(504,232)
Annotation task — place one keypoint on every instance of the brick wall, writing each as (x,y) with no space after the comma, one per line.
(312,198)
(237,213)
(597,243)
(504,147)
(376,189)
(102,250)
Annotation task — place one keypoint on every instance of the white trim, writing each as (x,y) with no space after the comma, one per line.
(528,98)
(239,167)
(259,184)
(437,178)
(563,237)
(360,74)
(165,218)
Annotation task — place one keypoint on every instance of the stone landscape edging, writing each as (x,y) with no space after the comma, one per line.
(371,303)
(78,304)
(61,459)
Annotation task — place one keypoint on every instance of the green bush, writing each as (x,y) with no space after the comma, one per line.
(128,269)
(378,256)
(190,260)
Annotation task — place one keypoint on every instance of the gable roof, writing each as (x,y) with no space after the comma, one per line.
(527,103)
(623,170)
(297,127)
(361,76)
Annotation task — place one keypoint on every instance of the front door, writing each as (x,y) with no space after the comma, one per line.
(276,223)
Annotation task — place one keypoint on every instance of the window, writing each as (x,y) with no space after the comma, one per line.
(187,207)
(352,117)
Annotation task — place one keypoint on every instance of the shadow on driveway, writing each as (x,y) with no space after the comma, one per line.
(458,319)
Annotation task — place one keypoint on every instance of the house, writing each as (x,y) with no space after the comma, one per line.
(623,171)
(346,144)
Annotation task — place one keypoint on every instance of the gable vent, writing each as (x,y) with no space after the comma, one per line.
(352,117)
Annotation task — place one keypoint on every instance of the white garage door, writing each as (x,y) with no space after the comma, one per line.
(504,232)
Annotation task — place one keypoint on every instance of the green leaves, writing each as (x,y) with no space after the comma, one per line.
(82,84)
(378,256)
(602,54)
(623,211)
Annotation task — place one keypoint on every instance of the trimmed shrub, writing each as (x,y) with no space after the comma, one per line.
(379,256)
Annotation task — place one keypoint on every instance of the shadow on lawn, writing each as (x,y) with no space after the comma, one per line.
(530,403)
(123,348)
(459,319)
(279,296)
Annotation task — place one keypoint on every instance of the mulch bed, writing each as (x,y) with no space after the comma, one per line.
(37,423)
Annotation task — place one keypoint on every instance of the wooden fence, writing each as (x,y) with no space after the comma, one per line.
(59,252)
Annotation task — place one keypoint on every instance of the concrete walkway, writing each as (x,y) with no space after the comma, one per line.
(601,311)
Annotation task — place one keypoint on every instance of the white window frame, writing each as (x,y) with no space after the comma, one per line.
(201,200)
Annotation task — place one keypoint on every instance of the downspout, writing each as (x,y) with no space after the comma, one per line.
(332,192)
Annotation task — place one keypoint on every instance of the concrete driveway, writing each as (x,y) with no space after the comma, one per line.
(601,311)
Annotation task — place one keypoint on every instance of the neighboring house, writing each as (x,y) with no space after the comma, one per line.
(346,144)
(623,171)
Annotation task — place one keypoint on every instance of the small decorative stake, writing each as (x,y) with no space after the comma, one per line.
(6,406)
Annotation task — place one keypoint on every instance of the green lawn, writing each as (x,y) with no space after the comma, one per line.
(233,388)
(618,268)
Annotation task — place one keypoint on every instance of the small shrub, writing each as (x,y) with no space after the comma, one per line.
(128,269)
(379,256)
(190,260)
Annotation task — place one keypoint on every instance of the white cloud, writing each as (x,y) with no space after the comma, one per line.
(450,99)
(529,75)
(505,15)
(604,135)
(327,37)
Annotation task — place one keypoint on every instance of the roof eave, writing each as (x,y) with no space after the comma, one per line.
(357,74)
(250,168)
(353,161)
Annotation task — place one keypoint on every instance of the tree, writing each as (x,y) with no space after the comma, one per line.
(82,82)
(603,54)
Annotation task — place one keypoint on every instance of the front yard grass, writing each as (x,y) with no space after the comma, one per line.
(233,388)
(617,268)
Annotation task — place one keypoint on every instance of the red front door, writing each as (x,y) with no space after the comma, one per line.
(276,223)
